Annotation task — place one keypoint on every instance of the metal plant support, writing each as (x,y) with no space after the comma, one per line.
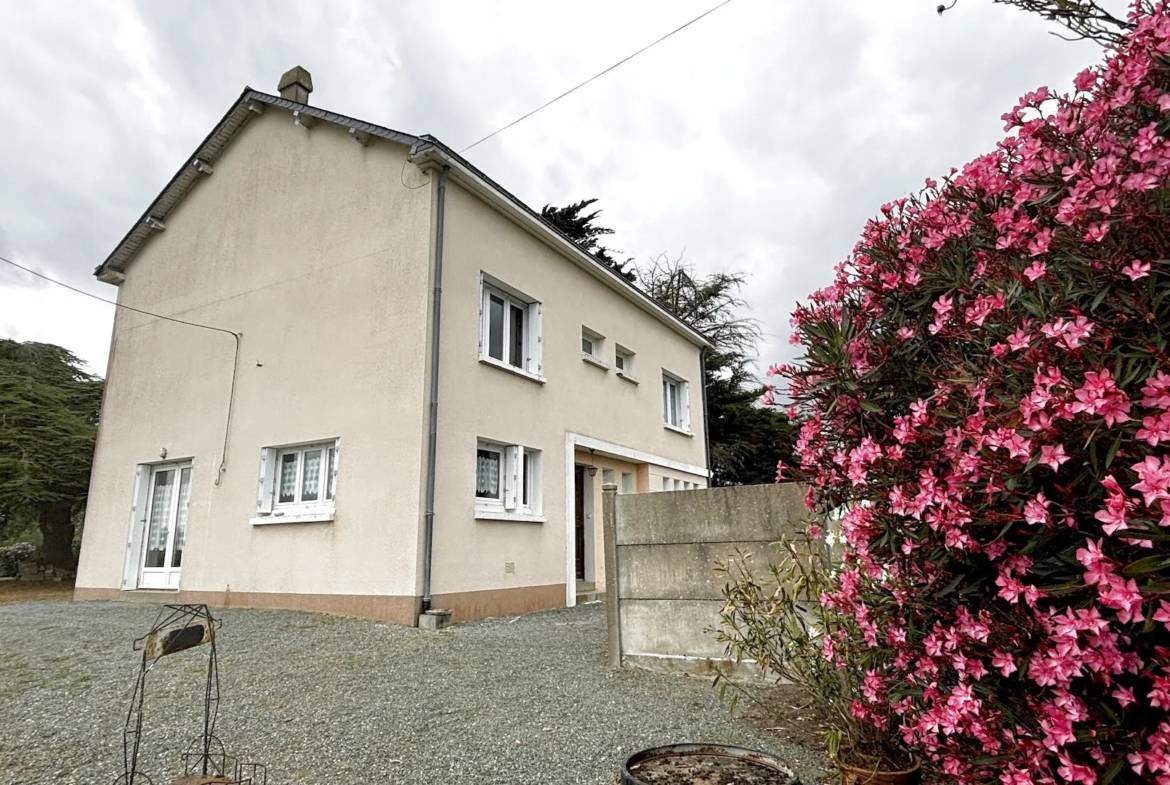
(178,628)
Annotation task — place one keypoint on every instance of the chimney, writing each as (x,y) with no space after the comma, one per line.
(295,85)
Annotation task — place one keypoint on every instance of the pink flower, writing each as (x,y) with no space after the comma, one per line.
(1096,232)
(1085,80)
(1004,662)
(1036,270)
(1036,511)
(1123,596)
(1163,613)
(1019,340)
(1136,269)
(1155,477)
(1040,243)
(1053,456)
(1100,395)
(1124,696)
(1098,567)
(1157,391)
(1155,429)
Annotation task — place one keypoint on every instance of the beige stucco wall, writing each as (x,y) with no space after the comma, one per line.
(312,248)
(478,400)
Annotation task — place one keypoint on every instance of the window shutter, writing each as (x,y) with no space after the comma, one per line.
(483,328)
(266,490)
(534,339)
(512,468)
(685,419)
(137,526)
(336,461)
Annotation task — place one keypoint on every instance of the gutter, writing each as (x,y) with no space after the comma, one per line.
(433,417)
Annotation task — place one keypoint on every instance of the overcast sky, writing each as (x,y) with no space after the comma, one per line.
(759,139)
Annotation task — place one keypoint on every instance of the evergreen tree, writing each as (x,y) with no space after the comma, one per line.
(746,439)
(48,424)
(580,227)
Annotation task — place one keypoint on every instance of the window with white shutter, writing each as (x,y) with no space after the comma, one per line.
(298,483)
(510,334)
(507,481)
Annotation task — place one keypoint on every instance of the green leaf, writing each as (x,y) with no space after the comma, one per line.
(1148,564)
(1113,449)
(1113,770)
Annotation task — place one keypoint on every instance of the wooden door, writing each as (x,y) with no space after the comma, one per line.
(579,512)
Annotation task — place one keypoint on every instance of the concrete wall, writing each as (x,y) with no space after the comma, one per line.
(311,247)
(667,597)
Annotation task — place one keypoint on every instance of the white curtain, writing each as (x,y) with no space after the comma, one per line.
(487,474)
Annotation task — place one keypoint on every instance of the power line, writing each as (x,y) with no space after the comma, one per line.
(595,76)
(235,357)
(112,302)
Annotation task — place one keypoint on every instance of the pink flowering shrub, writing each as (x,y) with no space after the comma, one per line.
(986,391)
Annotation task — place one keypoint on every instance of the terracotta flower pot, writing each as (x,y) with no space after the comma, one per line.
(860,775)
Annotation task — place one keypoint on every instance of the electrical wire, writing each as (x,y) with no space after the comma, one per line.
(235,335)
(595,76)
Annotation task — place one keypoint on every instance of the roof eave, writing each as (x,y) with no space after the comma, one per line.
(249,104)
(433,152)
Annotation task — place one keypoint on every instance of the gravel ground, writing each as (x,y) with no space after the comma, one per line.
(325,700)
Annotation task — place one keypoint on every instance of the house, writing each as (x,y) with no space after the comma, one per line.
(382,384)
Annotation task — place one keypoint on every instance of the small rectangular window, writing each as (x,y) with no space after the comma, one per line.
(674,402)
(607,476)
(627,482)
(623,362)
(593,347)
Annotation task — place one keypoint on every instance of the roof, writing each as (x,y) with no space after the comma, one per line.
(423,148)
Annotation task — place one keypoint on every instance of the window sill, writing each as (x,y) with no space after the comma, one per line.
(503,515)
(512,369)
(304,516)
(627,377)
(589,358)
(677,430)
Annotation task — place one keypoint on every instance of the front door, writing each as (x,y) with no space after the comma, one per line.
(166,526)
(579,529)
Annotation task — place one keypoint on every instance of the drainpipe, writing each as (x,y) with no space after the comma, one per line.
(432,444)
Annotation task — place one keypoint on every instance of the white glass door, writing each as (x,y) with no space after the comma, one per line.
(166,526)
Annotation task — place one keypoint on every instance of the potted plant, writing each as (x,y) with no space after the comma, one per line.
(779,623)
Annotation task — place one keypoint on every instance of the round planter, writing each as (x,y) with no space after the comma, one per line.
(859,775)
(705,764)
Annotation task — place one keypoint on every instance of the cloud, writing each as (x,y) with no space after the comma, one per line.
(760,139)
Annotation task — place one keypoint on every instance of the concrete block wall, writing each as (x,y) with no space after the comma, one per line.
(663,548)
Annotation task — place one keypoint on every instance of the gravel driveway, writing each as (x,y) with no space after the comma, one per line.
(325,700)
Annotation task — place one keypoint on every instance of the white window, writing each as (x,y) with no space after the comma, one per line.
(509,329)
(607,477)
(675,403)
(298,483)
(507,481)
(627,482)
(592,347)
(623,363)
